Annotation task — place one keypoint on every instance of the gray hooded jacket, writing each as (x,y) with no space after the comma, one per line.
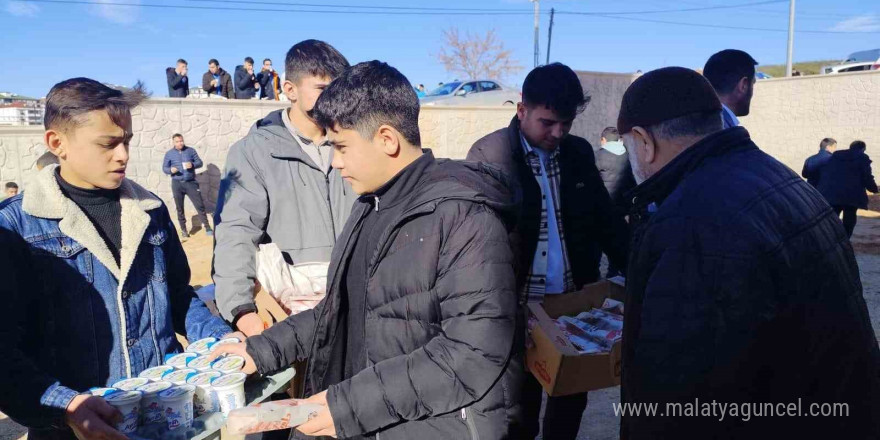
(272,192)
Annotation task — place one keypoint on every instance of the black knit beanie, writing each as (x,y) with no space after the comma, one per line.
(664,94)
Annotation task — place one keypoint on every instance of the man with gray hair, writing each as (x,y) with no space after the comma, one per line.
(742,288)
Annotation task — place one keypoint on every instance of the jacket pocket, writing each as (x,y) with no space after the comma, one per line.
(154,246)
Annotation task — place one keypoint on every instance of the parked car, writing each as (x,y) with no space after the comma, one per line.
(473,92)
(856,62)
(762,75)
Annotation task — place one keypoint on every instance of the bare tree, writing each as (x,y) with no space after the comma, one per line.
(476,56)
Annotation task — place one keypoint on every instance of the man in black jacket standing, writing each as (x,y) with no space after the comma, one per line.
(843,180)
(178,81)
(246,83)
(744,305)
(414,337)
(566,219)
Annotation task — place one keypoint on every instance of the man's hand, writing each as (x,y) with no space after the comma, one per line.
(238,349)
(237,335)
(250,324)
(184,71)
(187,165)
(174,170)
(90,418)
(214,82)
(321,422)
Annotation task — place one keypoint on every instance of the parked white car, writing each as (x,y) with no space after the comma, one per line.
(473,92)
(856,62)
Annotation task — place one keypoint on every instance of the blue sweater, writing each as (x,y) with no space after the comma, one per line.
(175,158)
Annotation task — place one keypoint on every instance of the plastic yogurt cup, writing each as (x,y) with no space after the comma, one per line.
(228,364)
(130,384)
(230,391)
(129,404)
(205,400)
(152,411)
(156,373)
(179,377)
(201,363)
(225,341)
(179,360)
(202,346)
(102,391)
(177,403)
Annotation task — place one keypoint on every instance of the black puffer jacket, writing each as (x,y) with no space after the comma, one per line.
(440,318)
(742,287)
(845,177)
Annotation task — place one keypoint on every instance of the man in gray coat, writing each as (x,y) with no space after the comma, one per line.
(279,187)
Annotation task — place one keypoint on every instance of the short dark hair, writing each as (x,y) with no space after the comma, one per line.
(267,59)
(556,87)
(214,62)
(369,95)
(11,185)
(177,135)
(313,58)
(726,68)
(181,61)
(611,134)
(46,159)
(74,97)
(858,145)
(249,60)
(826,142)
(692,124)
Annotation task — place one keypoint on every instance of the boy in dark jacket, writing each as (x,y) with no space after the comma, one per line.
(246,83)
(178,81)
(414,338)
(181,163)
(843,181)
(217,81)
(814,164)
(565,221)
(744,310)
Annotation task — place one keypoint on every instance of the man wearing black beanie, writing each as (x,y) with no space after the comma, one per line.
(744,316)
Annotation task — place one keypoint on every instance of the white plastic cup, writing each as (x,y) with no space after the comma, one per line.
(178,405)
(152,411)
(202,346)
(102,391)
(205,400)
(179,377)
(230,391)
(225,341)
(201,363)
(155,374)
(129,404)
(228,364)
(130,384)
(179,360)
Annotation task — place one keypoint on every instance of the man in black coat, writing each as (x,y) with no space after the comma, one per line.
(843,181)
(814,164)
(566,218)
(246,83)
(414,338)
(178,81)
(744,306)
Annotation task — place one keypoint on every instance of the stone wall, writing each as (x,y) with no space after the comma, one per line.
(606,91)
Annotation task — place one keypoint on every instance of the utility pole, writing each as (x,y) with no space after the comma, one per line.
(788,60)
(537,21)
(550,33)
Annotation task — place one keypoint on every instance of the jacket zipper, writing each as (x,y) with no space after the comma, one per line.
(471,426)
(330,206)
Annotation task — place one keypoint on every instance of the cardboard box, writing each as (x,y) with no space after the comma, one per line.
(555,361)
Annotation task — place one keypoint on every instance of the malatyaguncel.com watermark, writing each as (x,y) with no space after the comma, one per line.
(721,410)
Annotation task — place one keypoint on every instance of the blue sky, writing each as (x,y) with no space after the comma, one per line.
(44,43)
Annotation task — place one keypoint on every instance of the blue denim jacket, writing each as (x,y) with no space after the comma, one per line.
(84,321)
(175,158)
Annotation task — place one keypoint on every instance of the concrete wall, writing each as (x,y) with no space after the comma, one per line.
(606,91)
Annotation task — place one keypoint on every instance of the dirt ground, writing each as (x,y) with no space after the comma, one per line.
(599,422)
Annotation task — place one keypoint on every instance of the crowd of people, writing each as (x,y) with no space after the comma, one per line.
(741,283)
(245,84)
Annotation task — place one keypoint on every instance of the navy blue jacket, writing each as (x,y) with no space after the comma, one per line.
(845,177)
(178,85)
(813,165)
(175,158)
(743,287)
(244,83)
(267,82)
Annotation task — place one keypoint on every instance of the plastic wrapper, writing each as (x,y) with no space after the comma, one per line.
(271,416)
(297,287)
(594,331)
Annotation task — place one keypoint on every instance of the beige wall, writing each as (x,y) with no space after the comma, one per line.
(606,91)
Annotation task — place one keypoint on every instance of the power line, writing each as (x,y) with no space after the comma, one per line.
(667,11)
(721,26)
(404,8)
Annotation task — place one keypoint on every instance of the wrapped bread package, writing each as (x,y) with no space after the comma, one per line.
(270,416)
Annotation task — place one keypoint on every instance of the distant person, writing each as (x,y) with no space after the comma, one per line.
(814,163)
(843,181)
(11,189)
(732,73)
(45,160)
(420,91)
(440,84)
(246,83)
(270,82)
(612,161)
(178,81)
(181,163)
(217,81)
